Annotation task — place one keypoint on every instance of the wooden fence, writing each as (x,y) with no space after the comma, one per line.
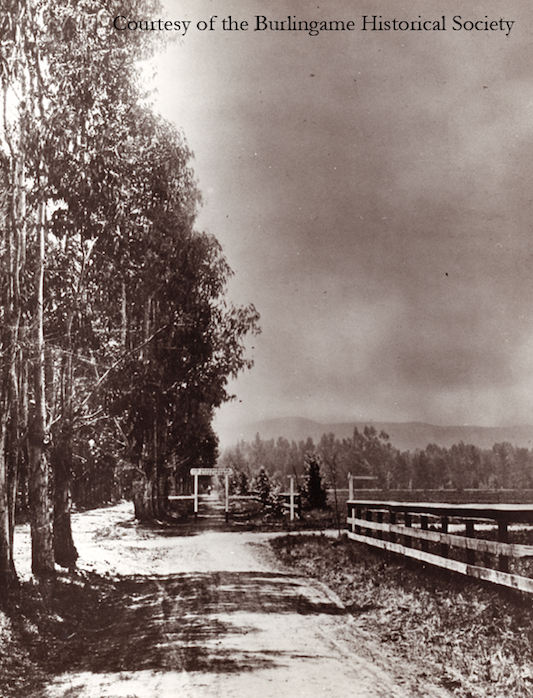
(291,502)
(412,528)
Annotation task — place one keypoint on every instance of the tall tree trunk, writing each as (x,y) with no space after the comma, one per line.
(149,495)
(8,457)
(12,458)
(7,567)
(8,387)
(65,552)
(149,498)
(40,518)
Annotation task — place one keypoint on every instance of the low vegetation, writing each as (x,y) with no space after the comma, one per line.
(474,640)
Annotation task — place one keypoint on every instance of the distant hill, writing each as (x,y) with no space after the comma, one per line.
(406,436)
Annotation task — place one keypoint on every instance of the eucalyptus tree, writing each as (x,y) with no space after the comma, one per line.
(146,302)
(10,318)
(181,339)
(63,71)
(22,257)
(94,90)
(112,303)
(164,341)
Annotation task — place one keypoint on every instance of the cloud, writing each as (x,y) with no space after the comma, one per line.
(372,192)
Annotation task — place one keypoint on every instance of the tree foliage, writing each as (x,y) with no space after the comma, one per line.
(262,484)
(370,454)
(116,338)
(314,492)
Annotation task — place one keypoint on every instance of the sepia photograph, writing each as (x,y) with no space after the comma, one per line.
(266,349)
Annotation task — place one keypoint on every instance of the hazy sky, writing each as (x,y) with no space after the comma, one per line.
(372,191)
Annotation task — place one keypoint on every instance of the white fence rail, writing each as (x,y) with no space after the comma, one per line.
(409,528)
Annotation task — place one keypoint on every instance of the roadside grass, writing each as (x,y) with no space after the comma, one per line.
(19,673)
(44,626)
(477,640)
(25,622)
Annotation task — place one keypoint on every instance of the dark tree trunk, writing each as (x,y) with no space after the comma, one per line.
(7,568)
(40,519)
(12,457)
(65,552)
(42,561)
(149,497)
(11,453)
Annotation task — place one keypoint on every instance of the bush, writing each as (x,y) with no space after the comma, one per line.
(262,486)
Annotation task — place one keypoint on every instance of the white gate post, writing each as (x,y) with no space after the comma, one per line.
(350,487)
(292,497)
(226,483)
(195,495)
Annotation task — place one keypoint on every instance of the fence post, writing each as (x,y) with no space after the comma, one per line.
(503,537)
(470,533)
(392,520)
(350,487)
(408,523)
(368,531)
(444,547)
(424,544)
(195,495)
(358,516)
(380,520)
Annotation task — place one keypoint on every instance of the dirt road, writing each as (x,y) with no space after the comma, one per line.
(210,613)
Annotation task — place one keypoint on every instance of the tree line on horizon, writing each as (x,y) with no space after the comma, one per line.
(370,454)
(116,337)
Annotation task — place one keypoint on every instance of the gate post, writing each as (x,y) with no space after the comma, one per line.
(291,501)
(226,484)
(195,495)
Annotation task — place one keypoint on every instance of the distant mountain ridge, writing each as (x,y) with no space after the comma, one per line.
(406,436)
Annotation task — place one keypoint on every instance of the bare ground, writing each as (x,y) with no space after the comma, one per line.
(195,612)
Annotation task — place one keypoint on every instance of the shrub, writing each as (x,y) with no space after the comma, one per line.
(262,486)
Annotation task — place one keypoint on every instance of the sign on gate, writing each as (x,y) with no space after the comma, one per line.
(211,471)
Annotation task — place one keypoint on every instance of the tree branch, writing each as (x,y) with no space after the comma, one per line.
(114,366)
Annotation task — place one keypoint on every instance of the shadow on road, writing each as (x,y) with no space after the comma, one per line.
(210,517)
(175,623)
